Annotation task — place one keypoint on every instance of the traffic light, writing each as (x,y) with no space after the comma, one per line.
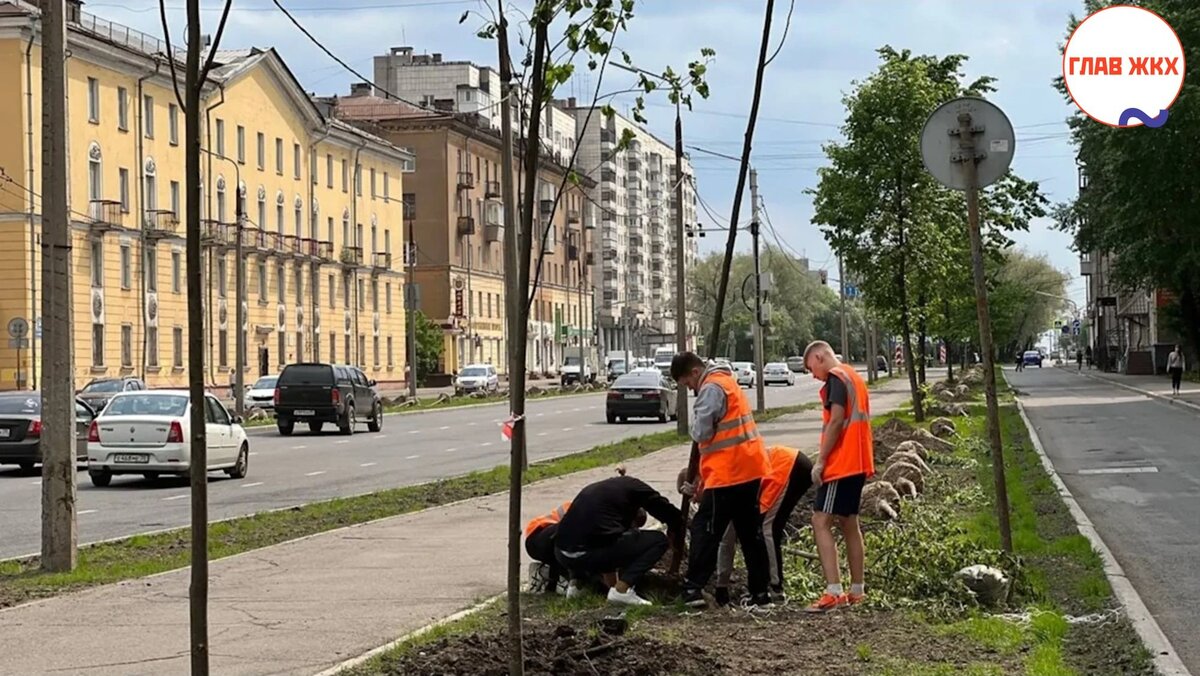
(824,276)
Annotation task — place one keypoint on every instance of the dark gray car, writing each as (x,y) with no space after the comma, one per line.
(316,394)
(21,429)
(98,392)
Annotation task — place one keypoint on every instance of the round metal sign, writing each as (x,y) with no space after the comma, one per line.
(18,327)
(991,130)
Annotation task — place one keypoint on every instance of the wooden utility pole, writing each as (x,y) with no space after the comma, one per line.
(59,533)
(757,337)
(845,338)
(681,402)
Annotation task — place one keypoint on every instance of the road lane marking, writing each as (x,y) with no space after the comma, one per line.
(472,424)
(450,450)
(412,457)
(1120,470)
(251,485)
(558,412)
(344,441)
(176,497)
(414,431)
(486,443)
(317,473)
(36,483)
(566,429)
(542,434)
(576,410)
(444,427)
(367,464)
(541,414)
(85,511)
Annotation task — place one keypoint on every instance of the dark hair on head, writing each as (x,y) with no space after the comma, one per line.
(684,362)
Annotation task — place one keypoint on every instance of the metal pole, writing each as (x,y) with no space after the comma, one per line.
(59,533)
(872,367)
(760,394)
(842,319)
(967,157)
(239,282)
(410,306)
(681,402)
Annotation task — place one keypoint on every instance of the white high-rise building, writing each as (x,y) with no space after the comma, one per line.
(635,200)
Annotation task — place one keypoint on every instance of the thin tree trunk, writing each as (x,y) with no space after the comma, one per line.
(906,318)
(922,338)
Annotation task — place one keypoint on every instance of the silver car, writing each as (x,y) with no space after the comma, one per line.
(744,372)
(778,373)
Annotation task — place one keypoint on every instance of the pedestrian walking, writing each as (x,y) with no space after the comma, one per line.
(1088,355)
(733,462)
(846,461)
(1175,366)
(1020,362)
(1078,360)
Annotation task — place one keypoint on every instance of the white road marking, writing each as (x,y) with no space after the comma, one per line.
(299,448)
(486,443)
(558,412)
(344,441)
(541,414)
(36,483)
(542,434)
(471,424)
(367,464)
(85,511)
(414,431)
(176,497)
(412,457)
(251,485)
(317,473)
(450,450)
(566,429)
(1120,470)
(576,410)
(444,427)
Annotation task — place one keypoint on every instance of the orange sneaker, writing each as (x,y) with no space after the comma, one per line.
(826,603)
(853,599)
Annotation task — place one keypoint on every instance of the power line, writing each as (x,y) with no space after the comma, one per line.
(330,8)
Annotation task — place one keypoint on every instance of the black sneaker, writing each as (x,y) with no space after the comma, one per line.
(777,594)
(757,602)
(694,598)
(721,595)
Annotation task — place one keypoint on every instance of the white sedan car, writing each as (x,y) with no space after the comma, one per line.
(744,372)
(261,394)
(148,433)
(778,372)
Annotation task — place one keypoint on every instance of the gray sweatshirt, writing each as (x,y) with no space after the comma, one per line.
(1175,361)
(710,406)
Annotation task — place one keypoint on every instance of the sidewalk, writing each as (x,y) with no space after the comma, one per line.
(1158,387)
(304,606)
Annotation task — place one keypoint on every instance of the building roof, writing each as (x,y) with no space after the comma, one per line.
(379,109)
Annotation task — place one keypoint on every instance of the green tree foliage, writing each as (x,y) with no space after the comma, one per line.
(1025,294)
(430,345)
(1141,199)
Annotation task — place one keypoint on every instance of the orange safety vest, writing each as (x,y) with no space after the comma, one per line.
(782,460)
(854,452)
(735,453)
(550,519)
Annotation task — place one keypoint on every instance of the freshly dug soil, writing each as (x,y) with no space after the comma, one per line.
(889,435)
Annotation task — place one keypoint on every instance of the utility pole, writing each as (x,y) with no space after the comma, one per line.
(410,299)
(760,394)
(59,533)
(681,403)
(842,295)
(239,283)
(869,339)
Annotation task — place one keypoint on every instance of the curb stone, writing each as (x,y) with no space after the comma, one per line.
(1166,659)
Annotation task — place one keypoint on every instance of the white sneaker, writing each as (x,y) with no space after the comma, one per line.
(574,591)
(629,598)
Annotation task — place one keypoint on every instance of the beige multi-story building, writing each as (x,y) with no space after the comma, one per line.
(456,216)
(320,202)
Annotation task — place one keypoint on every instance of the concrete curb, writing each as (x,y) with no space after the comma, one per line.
(1166,660)
(355,661)
(1148,393)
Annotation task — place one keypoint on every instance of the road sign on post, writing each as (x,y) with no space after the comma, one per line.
(968,144)
(1075,327)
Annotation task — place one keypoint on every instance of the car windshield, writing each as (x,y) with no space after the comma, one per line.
(741,365)
(571,361)
(776,367)
(617,365)
(23,404)
(147,404)
(267,383)
(1033,354)
(663,358)
(645,380)
(476,372)
(307,374)
(103,386)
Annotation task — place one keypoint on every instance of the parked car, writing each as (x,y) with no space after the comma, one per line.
(641,394)
(616,369)
(796,364)
(1032,358)
(316,394)
(744,372)
(21,429)
(97,392)
(149,433)
(778,372)
(261,394)
(881,364)
(662,359)
(475,378)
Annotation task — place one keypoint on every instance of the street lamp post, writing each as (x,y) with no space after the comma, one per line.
(239,384)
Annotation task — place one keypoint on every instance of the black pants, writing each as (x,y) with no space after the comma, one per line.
(799,481)
(540,547)
(718,508)
(630,556)
(1176,378)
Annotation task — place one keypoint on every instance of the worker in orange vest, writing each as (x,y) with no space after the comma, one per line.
(540,533)
(732,463)
(846,461)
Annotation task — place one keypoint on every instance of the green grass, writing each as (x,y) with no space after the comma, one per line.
(384,662)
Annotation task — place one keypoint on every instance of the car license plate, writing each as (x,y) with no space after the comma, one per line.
(305,412)
(5,432)
(131,457)
(633,396)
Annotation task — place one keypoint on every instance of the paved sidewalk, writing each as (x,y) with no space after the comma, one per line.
(304,606)
(1154,386)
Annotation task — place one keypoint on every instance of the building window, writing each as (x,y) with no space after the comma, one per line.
(95,179)
(173,123)
(361,359)
(152,346)
(93,100)
(372,182)
(221,203)
(262,282)
(299,345)
(346,347)
(280,284)
(333,347)
(332,291)
(223,348)
(151,270)
(241,144)
(122,109)
(176,272)
(362,295)
(123,186)
(126,345)
(296,160)
(283,348)
(148,116)
(358,180)
(374,296)
(374,232)
(299,284)
(316,347)
(279,156)
(386,188)
(279,218)
(262,151)
(329,170)
(220,131)
(299,222)
(151,196)
(345,176)
(262,213)
(312,168)
(387,297)
(175,198)
(126,267)
(97,256)
(346,293)
(222,277)
(316,290)
(177,340)
(375,350)
(390,362)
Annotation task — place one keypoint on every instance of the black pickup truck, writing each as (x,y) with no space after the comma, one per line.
(316,394)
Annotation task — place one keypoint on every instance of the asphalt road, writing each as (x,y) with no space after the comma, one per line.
(1132,464)
(287,471)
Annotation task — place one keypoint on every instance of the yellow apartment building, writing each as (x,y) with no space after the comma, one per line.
(320,204)
(453,201)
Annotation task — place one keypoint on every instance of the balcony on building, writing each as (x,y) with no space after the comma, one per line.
(546,207)
(1087,266)
(254,240)
(608,176)
(493,231)
(381,261)
(271,244)
(324,250)
(572,252)
(608,136)
(466,180)
(573,217)
(290,245)
(161,223)
(352,256)
(105,215)
(217,234)
(466,225)
(492,190)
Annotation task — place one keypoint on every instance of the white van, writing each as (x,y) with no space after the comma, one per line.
(662,359)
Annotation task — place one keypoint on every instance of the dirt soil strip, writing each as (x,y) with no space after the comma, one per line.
(1166,660)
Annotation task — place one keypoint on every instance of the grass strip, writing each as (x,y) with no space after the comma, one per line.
(137,556)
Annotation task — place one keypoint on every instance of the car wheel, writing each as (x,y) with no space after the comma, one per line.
(348,420)
(25,466)
(375,423)
(285,427)
(242,465)
(150,476)
(663,416)
(100,479)
(315,427)
(612,419)
(623,419)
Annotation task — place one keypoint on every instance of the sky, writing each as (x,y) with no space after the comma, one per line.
(829,46)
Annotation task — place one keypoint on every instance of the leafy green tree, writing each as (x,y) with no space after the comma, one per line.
(430,345)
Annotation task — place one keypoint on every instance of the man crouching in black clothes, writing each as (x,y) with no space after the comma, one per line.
(600,534)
